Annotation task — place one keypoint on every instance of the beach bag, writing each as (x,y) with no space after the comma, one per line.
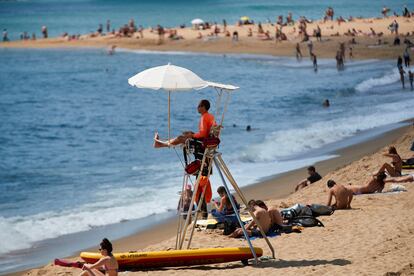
(229,227)
(211,142)
(321,210)
(306,221)
(193,168)
(296,211)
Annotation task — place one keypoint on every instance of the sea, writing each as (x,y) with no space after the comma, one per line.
(77,161)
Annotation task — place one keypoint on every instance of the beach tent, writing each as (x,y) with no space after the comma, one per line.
(197,23)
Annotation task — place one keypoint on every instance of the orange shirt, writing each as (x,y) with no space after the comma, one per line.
(206,122)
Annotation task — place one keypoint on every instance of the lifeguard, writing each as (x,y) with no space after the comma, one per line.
(206,122)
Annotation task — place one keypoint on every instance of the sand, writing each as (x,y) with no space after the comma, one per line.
(366,46)
(375,237)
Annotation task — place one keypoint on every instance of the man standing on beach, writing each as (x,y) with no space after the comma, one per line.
(343,196)
(44,31)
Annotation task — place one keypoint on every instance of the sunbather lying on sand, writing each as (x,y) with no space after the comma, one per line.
(263,218)
(401,179)
(393,169)
(343,196)
(376,184)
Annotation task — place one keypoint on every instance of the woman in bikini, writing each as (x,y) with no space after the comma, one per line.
(107,263)
(393,169)
(376,184)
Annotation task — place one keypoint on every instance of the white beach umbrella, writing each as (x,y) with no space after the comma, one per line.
(169,78)
(197,21)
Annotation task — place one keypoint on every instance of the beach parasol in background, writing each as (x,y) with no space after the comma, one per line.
(169,78)
(197,21)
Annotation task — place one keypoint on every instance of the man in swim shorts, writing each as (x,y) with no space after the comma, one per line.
(206,122)
(251,228)
(343,196)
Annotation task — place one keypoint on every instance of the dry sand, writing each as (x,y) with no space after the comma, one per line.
(365,48)
(374,238)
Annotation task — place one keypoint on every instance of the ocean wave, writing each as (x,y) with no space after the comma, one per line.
(389,78)
(21,232)
(288,142)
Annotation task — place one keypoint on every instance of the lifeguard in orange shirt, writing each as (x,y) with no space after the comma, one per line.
(206,122)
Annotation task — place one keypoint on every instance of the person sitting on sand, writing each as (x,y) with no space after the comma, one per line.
(343,196)
(225,210)
(262,217)
(376,184)
(274,213)
(108,262)
(396,167)
(206,122)
(401,179)
(313,177)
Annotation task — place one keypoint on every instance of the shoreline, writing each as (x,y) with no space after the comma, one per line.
(366,46)
(284,182)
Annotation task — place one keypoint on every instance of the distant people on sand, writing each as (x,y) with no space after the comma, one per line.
(343,196)
(44,32)
(108,26)
(313,177)
(107,262)
(206,122)
(5,35)
(375,184)
(395,168)
(252,230)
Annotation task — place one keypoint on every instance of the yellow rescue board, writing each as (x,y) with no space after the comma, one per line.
(134,259)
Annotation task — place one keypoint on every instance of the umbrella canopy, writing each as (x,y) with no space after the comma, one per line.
(197,21)
(245,18)
(168,77)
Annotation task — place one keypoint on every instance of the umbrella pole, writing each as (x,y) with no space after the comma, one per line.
(169,117)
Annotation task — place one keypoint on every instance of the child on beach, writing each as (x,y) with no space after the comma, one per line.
(108,262)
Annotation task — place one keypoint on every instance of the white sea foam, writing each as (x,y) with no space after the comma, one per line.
(389,78)
(22,232)
(297,140)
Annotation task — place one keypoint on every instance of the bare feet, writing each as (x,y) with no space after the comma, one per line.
(157,144)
